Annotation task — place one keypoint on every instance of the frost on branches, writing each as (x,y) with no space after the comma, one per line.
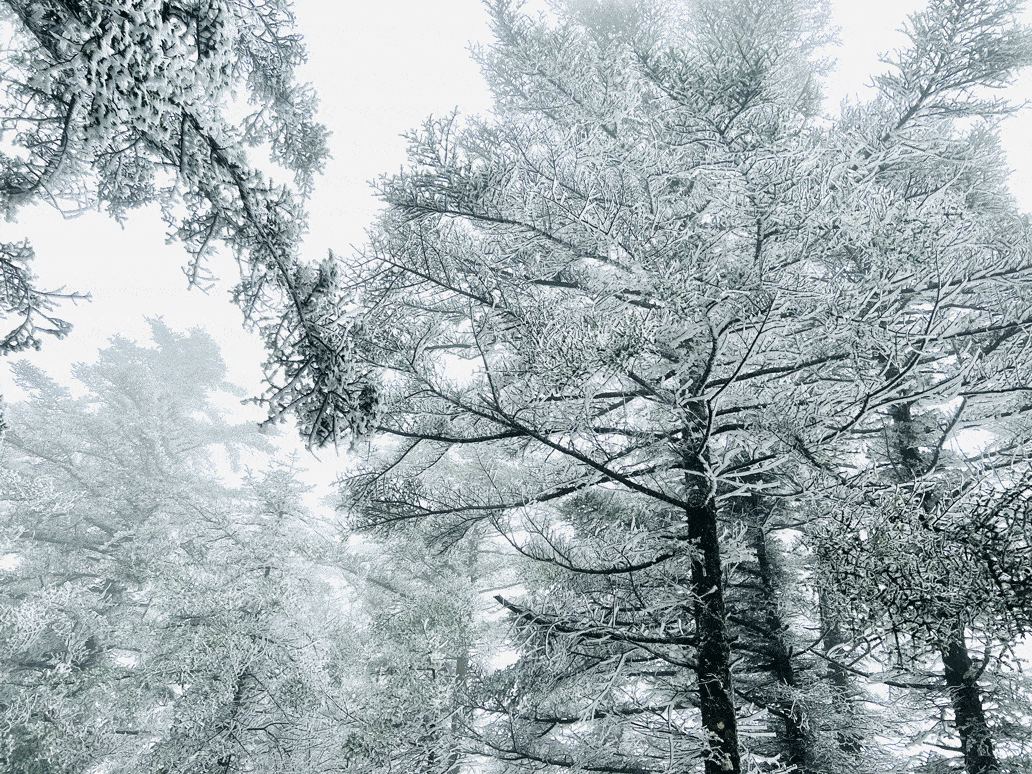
(657,280)
(126,103)
(155,616)
(21,299)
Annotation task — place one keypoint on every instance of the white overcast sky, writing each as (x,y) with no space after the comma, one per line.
(380,68)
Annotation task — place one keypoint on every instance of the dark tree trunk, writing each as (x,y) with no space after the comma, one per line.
(795,740)
(969,715)
(976,741)
(714,649)
(849,742)
(460,713)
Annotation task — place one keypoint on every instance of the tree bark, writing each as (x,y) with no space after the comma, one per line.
(460,713)
(850,742)
(795,741)
(714,648)
(976,740)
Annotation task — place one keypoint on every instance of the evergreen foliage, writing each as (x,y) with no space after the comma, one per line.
(151,617)
(663,309)
(656,367)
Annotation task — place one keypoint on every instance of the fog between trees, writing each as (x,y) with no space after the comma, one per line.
(658,386)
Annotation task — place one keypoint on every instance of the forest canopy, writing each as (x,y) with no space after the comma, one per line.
(658,385)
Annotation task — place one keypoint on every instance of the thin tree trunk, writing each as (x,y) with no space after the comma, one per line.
(849,741)
(795,740)
(976,741)
(462,714)
(714,648)
(457,727)
(227,727)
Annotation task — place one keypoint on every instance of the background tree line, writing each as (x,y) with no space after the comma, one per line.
(713,408)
